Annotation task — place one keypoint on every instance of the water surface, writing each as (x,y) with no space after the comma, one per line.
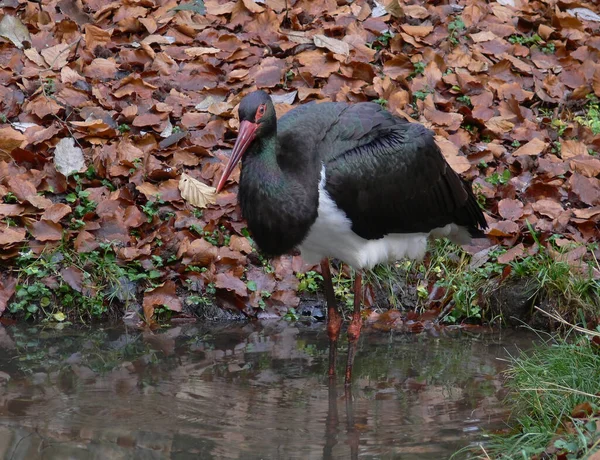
(246,391)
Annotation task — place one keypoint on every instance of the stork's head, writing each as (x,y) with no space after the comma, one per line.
(257,119)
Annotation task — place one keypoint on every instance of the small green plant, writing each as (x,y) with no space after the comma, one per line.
(454,28)
(49,86)
(525,40)
(123,128)
(261,302)
(548,48)
(97,274)
(419,69)
(10,198)
(29,298)
(478,191)
(381,101)
(288,78)
(291,315)
(560,126)
(3,118)
(152,207)
(591,117)
(84,204)
(309,281)
(465,100)
(499,178)
(381,42)
(422,94)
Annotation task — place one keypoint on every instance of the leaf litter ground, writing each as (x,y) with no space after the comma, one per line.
(103,106)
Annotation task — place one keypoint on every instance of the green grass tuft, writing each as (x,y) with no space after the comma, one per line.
(546,384)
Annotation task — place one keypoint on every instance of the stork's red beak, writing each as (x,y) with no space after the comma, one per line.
(246,135)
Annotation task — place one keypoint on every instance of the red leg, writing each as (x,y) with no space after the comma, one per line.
(334,319)
(355,326)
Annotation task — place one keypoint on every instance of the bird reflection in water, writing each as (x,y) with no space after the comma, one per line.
(332,422)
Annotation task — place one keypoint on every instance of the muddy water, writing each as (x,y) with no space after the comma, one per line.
(245,391)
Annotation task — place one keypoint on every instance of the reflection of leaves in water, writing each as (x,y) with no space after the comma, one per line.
(49,350)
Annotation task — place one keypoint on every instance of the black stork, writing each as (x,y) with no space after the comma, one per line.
(348,181)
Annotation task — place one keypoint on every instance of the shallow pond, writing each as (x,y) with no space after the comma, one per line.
(247,391)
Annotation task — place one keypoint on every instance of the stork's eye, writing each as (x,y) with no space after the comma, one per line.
(260,111)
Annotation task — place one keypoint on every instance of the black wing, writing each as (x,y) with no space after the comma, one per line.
(389,176)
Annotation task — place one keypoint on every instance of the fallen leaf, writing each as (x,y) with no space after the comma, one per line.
(56,56)
(533,148)
(510,209)
(229,282)
(512,254)
(195,192)
(7,289)
(584,13)
(46,230)
(586,188)
(68,158)
(56,212)
(332,44)
(196,51)
(13,29)
(10,139)
(164,295)
(73,276)
(11,235)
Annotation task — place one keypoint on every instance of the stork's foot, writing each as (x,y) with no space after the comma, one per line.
(354,327)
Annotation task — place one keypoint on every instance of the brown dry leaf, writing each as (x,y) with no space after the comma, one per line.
(56,56)
(196,51)
(9,210)
(35,57)
(499,125)
(548,208)
(164,295)
(503,228)
(10,139)
(230,282)
(56,212)
(450,151)
(252,6)
(510,209)
(11,235)
(198,252)
(332,44)
(95,36)
(7,289)
(195,192)
(46,230)
(533,148)
(73,276)
(586,188)
(450,120)
(585,164)
(512,254)
(42,106)
(417,31)
(572,148)
(416,11)
(241,244)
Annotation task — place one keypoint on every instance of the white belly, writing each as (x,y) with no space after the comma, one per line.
(331,236)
